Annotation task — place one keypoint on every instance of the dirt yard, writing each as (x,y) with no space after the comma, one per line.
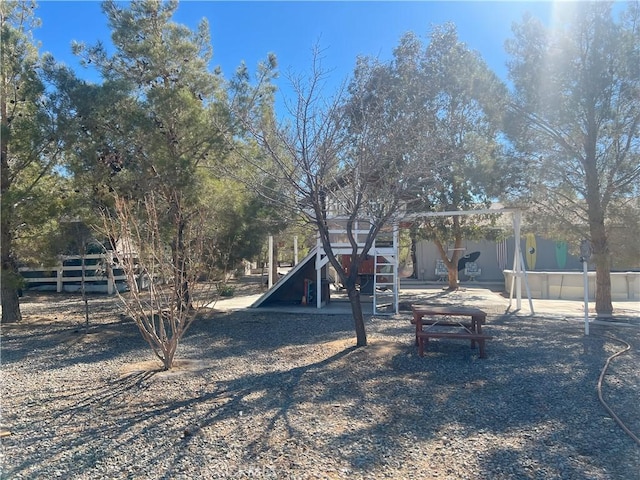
(275,396)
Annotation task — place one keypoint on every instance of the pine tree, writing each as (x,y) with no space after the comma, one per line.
(576,118)
(28,139)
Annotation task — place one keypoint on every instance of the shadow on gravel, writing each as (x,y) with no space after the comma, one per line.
(52,346)
(285,393)
(245,333)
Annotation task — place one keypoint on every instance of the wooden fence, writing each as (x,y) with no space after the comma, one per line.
(101,275)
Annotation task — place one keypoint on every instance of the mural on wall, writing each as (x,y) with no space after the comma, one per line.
(530,251)
(561,254)
(495,257)
(469,257)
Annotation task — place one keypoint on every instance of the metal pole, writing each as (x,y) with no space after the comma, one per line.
(585,255)
(586,295)
(519,265)
(295,250)
(270,281)
(318,287)
(526,284)
(396,267)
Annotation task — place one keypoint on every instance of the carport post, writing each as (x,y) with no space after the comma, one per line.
(517,258)
(270,280)
(519,267)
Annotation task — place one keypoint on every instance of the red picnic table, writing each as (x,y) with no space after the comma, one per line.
(427,317)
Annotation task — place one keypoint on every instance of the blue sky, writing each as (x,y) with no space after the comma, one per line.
(249,30)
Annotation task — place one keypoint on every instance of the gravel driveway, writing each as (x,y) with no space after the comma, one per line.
(286,396)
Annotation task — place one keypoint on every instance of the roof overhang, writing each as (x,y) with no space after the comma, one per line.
(453,213)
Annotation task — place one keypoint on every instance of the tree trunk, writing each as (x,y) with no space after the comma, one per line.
(452,278)
(604,307)
(10,302)
(274,267)
(358,317)
(452,265)
(9,279)
(596,213)
(163,339)
(167,361)
(183,293)
(602,260)
(169,350)
(414,247)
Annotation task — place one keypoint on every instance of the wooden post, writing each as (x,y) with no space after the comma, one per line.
(59,272)
(108,261)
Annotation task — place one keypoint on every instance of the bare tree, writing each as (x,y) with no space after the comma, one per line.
(162,298)
(338,160)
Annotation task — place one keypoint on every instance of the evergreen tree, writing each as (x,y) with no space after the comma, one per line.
(576,119)
(151,135)
(29,147)
(456,104)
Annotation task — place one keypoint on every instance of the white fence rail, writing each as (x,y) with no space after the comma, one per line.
(101,275)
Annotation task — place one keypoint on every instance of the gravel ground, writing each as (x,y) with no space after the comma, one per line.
(285,396)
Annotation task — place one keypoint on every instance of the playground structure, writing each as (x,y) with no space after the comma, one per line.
(308,282)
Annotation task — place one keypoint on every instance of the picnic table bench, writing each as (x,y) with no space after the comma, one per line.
(445,316)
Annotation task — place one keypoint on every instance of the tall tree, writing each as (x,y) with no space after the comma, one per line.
(242,223)
(153,128)
(576,116)
(461,103)
(334,161)
(28,139)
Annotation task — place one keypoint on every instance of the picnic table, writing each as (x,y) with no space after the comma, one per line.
(469,320)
